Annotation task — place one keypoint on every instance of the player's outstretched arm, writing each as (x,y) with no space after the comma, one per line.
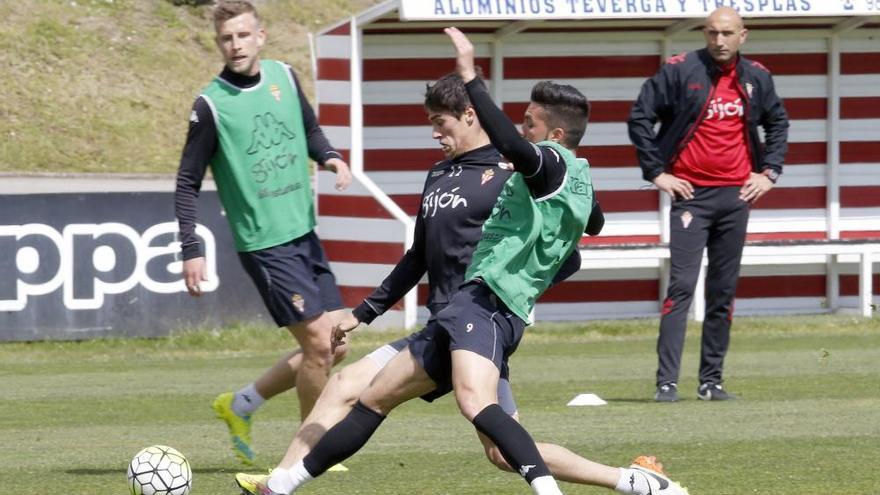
(464,51)
(503,134)
(403,277)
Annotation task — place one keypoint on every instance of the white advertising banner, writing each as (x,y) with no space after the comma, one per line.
(412,10)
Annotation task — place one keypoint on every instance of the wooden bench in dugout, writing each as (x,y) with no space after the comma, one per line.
(833,253)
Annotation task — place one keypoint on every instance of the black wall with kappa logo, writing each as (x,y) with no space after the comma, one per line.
(85,265)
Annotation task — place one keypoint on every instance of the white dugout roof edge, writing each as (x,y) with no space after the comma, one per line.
(408,29)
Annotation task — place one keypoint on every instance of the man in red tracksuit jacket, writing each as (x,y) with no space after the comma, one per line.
(707,155)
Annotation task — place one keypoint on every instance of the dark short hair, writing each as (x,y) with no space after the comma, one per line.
(566,108)
(448,95)
(227,9)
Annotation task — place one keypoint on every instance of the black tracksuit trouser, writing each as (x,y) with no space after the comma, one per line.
(715,219)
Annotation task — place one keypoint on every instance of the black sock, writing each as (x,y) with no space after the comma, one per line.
(514,442)
(343,440)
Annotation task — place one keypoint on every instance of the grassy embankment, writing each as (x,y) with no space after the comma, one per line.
(107,85)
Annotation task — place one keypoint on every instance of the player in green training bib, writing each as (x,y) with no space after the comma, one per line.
(261,163)
(535,225)
(526,239)
(255,129)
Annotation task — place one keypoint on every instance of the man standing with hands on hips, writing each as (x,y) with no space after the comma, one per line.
(707,155)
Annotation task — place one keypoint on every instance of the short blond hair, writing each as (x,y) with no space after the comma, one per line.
(227,9)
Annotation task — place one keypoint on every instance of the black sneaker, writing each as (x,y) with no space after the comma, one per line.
(667,392)
(713,391)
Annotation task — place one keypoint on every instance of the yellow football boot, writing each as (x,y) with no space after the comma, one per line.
(239,427)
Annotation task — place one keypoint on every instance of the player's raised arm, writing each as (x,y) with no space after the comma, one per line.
(464,54)
(502,132)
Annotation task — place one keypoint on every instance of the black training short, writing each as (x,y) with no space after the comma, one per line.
(474,320)
(294,279)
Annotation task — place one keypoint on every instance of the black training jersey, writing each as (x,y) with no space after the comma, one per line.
(457,199)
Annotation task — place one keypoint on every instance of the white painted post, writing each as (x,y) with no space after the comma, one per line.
(832,171)
(865,283)
(356,161)
(356,108)
(665,201)
(497,68)
(832,283)
(665,204)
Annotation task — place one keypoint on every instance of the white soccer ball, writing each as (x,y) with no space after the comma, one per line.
(159,470)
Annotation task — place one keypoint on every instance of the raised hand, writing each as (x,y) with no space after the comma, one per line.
(464,54)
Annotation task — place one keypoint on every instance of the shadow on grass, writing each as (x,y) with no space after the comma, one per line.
(629,400)
(102,471)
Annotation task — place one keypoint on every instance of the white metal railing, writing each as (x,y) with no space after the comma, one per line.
(866,253)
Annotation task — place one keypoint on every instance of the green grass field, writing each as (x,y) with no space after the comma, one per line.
(808,422)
